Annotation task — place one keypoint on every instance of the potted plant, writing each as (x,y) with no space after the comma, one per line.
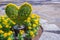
(19,23)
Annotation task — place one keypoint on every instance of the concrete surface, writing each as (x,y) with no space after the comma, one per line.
(49,36)
(50,27)
(50,31)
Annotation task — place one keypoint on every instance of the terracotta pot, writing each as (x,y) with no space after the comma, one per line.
(39,34)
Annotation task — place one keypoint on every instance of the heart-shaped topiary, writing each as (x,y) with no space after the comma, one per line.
(18,15)
(24,11)
(12,12)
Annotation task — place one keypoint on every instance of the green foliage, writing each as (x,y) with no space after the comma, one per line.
(20,37)
(18,15)
(24,12)
(12,12)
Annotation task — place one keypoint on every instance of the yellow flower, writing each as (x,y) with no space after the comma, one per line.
(5,34)
(9,33)
(7,26)
(32,15)
(1,31)
(21,32)
(28,19)
(31,33)
(29,27)
(33,36)
(34,25)
(2,17)
(9,38)
(5,21)
(36,21)
(0,26)
(37,16)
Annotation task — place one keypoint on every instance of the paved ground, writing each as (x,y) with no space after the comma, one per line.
(49,36)
(50,31)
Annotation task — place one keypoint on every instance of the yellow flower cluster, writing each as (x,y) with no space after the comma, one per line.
(6,19)
(34,25)
(21,32)
(28,19)
(34,16)
(9,38)
(3,17)
(34,20)
(6,23)
(29,27)
(8,34)
(32,34)
(0,26)
(5,35)
(1,31)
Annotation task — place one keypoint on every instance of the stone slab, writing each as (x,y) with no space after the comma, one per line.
(50,27)
(49,36)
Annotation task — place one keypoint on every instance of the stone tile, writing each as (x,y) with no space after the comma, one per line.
(50,27)
(49,36)
(42,21)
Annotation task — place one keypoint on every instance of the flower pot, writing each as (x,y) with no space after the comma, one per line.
(25,38)
(37,36)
